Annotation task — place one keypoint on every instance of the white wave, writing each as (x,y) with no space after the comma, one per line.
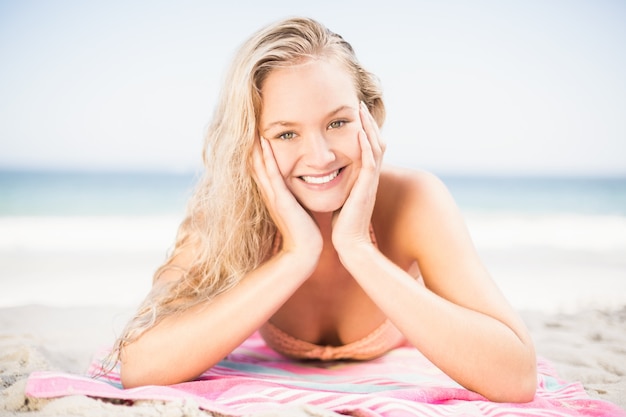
(563,231)
(545,262)
(88,234)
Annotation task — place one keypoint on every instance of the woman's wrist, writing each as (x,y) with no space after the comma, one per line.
(357,254)
(302,263)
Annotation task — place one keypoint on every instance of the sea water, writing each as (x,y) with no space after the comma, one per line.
(540,195)
(41,193)
(549,242)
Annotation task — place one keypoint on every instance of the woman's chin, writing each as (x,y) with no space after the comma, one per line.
(323,207)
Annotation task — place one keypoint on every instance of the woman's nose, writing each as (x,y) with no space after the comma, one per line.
(318,152)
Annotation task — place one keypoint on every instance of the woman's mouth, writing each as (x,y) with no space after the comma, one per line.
(321,180)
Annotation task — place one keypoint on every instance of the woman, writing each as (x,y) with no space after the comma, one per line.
(298,230)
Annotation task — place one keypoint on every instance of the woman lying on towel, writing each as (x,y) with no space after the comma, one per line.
(298,230)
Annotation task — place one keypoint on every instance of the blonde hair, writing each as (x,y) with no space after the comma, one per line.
(227,229)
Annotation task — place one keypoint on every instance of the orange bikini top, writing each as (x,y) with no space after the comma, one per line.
(385,338)
(380,341)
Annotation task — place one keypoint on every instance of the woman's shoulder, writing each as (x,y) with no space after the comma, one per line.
(412,205)
(408,184)
(405,192)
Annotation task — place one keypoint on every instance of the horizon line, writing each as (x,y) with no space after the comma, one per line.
(198,172)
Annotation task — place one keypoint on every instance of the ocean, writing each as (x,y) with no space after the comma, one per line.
(53,193)
(90,238)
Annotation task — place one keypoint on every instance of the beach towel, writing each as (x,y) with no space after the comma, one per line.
(255,379)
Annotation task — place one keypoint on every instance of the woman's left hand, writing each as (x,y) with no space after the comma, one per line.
(351,223)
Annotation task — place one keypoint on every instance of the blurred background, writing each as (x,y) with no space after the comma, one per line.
(519,106)
(488,87)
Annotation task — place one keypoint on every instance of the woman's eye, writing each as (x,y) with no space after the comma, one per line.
(286,136)
(337,124)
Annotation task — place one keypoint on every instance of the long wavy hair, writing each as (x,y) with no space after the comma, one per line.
(227,230)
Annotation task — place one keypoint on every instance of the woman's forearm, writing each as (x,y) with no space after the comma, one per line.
(478,351)
(182,346)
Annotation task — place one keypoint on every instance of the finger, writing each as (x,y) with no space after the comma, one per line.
(370,150)
(271,167)
(367,180)
(259,173)
(257,160)
(368,159)
(371,129)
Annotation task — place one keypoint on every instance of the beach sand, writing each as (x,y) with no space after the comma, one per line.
(589,347)
(62,301)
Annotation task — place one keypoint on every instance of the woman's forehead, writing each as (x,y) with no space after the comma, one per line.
(317,86)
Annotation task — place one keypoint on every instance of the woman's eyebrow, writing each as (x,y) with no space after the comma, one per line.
(280,123)
(283,123)
(340,109)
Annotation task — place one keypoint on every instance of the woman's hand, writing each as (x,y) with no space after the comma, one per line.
(352,222)
(299,231)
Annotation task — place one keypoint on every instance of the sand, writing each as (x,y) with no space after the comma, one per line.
(69,285)
(589,347)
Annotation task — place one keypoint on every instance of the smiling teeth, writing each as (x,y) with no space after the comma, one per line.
(320,180)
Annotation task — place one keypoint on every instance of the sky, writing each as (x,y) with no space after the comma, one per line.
(518,87)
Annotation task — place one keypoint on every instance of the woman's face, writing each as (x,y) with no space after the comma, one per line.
(310,116)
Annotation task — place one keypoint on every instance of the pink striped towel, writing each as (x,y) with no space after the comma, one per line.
(255,379)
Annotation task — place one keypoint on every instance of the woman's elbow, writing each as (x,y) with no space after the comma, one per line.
(136,371)
(141,368)
(519,388)
(528,388)
(521,392)
(133,375)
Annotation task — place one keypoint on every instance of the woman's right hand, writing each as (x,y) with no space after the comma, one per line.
(300,233)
